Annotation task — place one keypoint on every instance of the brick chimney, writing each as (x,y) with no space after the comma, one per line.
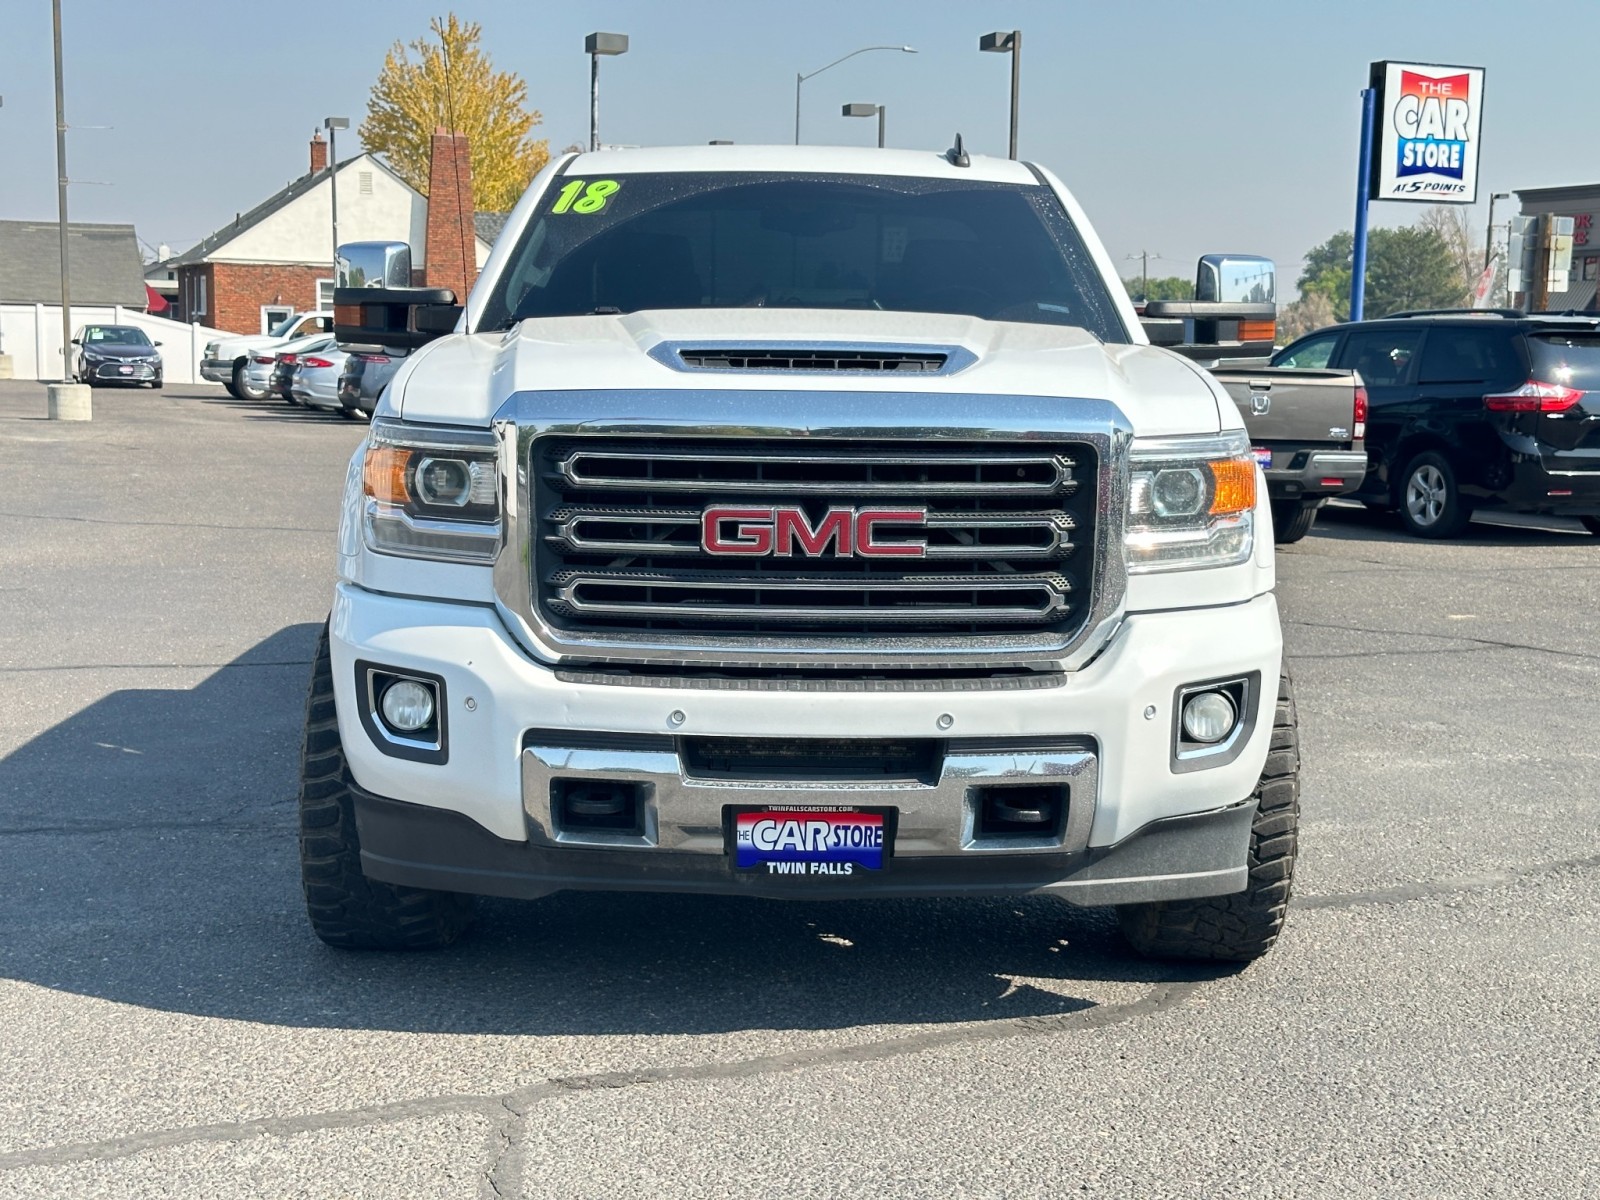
(319,153)
(451,249)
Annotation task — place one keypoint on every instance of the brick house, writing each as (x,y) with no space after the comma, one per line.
(278,257)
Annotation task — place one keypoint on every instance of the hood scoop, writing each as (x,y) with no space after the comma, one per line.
(813,359)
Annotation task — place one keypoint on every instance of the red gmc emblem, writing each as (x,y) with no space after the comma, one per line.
(784,531)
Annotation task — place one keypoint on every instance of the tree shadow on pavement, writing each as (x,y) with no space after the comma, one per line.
(148,845)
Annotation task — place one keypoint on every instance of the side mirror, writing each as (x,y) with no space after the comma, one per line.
(374,303)
(155,343)
(1234,313)
(77,341)
(372,265)
(1236,279)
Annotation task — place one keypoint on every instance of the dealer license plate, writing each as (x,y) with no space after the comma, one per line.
(1263,456)
(125,370)
(808,841)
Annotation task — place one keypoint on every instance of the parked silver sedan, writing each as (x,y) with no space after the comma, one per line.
(316,378)
(258,370)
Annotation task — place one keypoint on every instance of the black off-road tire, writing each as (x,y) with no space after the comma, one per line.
(1421,519)
(346,908)
(1293,519)
(1592,524)
(1241,927)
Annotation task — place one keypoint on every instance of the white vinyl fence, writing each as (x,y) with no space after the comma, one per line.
(31,335)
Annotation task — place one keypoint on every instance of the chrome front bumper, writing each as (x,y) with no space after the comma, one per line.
(684,813)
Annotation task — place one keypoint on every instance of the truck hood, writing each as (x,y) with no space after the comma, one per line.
(464,379)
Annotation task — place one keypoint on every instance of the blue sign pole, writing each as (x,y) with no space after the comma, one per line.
(1358,262)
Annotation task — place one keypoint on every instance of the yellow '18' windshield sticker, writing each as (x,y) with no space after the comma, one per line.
(585,195)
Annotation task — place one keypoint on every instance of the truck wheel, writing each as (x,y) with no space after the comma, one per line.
(346,908)
(241,388)
(1292,519)
(1431,505)
(1241,927)
(1592,524)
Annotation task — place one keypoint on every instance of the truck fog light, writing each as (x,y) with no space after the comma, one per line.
(1209,716)
(407,705)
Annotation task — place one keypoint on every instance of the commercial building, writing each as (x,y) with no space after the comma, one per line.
(1581,202)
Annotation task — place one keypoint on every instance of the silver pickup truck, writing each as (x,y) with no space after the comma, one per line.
(1307,425)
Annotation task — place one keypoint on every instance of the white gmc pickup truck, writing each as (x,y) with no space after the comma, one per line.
(796,522)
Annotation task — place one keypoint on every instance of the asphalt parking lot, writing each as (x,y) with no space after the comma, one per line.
(169,1026)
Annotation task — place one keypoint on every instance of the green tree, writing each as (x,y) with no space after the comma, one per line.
(1412,268)
(453,85)
(1170,287)
(1406,269)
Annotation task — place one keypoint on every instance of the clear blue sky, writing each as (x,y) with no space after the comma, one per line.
(1182,127)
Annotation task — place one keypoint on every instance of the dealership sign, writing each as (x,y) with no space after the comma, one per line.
(1426,146)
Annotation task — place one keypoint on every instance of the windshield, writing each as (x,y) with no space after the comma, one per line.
(114,335)
(733,240)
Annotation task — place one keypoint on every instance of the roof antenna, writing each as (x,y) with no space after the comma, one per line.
(957,154)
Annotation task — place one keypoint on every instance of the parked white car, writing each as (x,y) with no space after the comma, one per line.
(228,359)
(316,380)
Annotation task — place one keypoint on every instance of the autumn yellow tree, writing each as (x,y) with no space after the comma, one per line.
(452,84)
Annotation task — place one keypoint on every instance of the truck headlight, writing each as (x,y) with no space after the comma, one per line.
(432,492)
(1191,503)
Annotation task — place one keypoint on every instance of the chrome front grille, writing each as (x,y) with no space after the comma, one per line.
(1003,530)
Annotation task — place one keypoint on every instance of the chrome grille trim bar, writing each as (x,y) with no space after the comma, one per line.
(1052,589)
(1055,526)
(1061,483)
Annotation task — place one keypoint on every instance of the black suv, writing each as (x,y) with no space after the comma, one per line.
(1493,409)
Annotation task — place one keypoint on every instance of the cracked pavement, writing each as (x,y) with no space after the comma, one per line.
(169,1027)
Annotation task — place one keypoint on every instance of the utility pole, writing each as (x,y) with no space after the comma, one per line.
(61,199)
(1488,237)
(1541,265)
(1144,257)
(67,400)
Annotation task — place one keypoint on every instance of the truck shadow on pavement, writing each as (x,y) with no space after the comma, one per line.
(149,856)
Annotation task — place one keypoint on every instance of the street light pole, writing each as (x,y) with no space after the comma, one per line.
(61,199)
(866,110)
(1008,43)
(333,125)
(594,46)
(799,79)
